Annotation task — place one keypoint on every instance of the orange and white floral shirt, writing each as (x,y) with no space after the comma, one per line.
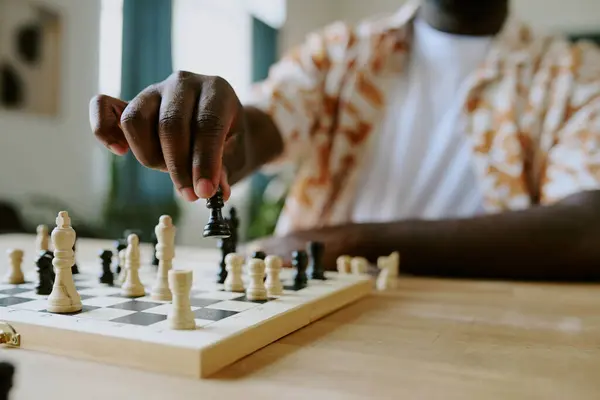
(532,111)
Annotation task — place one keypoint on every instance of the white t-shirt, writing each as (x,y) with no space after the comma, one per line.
(420,165)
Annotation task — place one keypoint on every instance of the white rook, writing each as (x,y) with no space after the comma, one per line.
(181,316)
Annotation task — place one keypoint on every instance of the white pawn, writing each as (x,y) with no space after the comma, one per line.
(359,265)
(132,287)
(181,316)
(256,288)
(123,272)
(389,266)
(41,239)
(343,264)
(64,297)
(273,283)
(165,252)
(15,274)
(233,264)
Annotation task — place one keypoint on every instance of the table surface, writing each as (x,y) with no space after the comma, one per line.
(429,339)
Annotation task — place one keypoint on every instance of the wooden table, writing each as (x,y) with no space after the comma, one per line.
(429,339)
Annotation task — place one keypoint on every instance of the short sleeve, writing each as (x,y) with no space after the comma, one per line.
(573,162)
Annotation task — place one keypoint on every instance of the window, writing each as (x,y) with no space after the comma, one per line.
(111,40)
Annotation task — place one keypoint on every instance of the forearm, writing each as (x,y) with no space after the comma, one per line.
(555,242)
(260,143)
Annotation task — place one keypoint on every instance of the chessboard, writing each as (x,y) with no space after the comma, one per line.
(134,332)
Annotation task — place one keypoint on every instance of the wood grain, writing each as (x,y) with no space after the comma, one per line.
(428,339)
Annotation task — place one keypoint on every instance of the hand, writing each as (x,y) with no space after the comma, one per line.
(188,125)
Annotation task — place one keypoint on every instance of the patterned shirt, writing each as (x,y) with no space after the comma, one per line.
(532,112)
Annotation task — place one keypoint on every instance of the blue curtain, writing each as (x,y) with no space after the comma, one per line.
(140,195)
(264,54)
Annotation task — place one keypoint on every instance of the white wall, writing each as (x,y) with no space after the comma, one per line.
(58,156)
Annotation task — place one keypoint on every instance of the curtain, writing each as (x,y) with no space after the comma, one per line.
(138,195)
(262,215)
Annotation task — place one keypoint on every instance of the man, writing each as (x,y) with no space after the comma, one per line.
(448,131)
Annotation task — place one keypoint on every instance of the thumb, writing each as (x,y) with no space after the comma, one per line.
(105,114)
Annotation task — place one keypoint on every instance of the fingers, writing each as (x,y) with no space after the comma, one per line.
(174,132)
(213,119)
(138,123)
(105,114)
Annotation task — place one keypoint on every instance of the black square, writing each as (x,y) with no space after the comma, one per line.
(85,296)
(213,314)
(11,301)
(294,288)
(203,302)
(15,290)
(134,305)
(245,300)
(140,318)
(81,287)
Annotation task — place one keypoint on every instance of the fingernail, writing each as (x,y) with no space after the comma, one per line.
(117,149)
(188,194)
(204,188)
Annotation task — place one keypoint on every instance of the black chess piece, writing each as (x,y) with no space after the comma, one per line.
(46,274)
(107,276)
(74,268)
(7,373)
(229,244)
(261,255)
(217,226)
(300,262)
(154,243)
(315,252)
(120,244)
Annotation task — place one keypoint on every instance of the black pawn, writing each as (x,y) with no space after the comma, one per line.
(120,244)
(217,226)
(261,255)
(74,268)
(45,272)
(154,243)
(107,274)
(300,262)
(315,252)
(7,372)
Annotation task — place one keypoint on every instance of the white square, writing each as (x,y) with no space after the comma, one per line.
(105,314)
(104,301)
(218,295)
(35,305)
(100,291)
(232,305)
(32,295)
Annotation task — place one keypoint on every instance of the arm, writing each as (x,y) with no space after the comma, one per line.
(561,241)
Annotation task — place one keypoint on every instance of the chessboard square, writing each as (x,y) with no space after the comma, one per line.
(15,290)
(100,291)
(140,318)
(105,314)
(203,302)
(33,305)
(245,299)
(11,301)
(164,309)
(104,301)
(135,305)
(28,285)
(32,295)
(232,305)
(212,314)
(221,295)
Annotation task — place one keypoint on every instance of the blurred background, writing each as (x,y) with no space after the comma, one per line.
(56,54)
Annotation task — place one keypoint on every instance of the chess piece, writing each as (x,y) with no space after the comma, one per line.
(389,271)
(344,264)
(217,226)
(315,256)
(107,276)
(41,239)
(64,297)
(14,275)
(259,254)
(181,316)
(359,265)
(155,260)
(75,268)
(234,282)
(120,244)
(122,260)
(273,284)
(46,274)
(228,245)
(132,286)
(7,373)
(256,288)
(165,252)
(300,262)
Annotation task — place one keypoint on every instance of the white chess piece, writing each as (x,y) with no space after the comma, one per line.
(233,264)
(123,273)
(64,297)
(273,283)
(256,288)
(359,265)
(343,264)
(41,239)
(132,287)
(14,275)
(388,276)
(181,316)
(165,252)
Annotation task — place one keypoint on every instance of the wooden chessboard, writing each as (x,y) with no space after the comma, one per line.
(133,332)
